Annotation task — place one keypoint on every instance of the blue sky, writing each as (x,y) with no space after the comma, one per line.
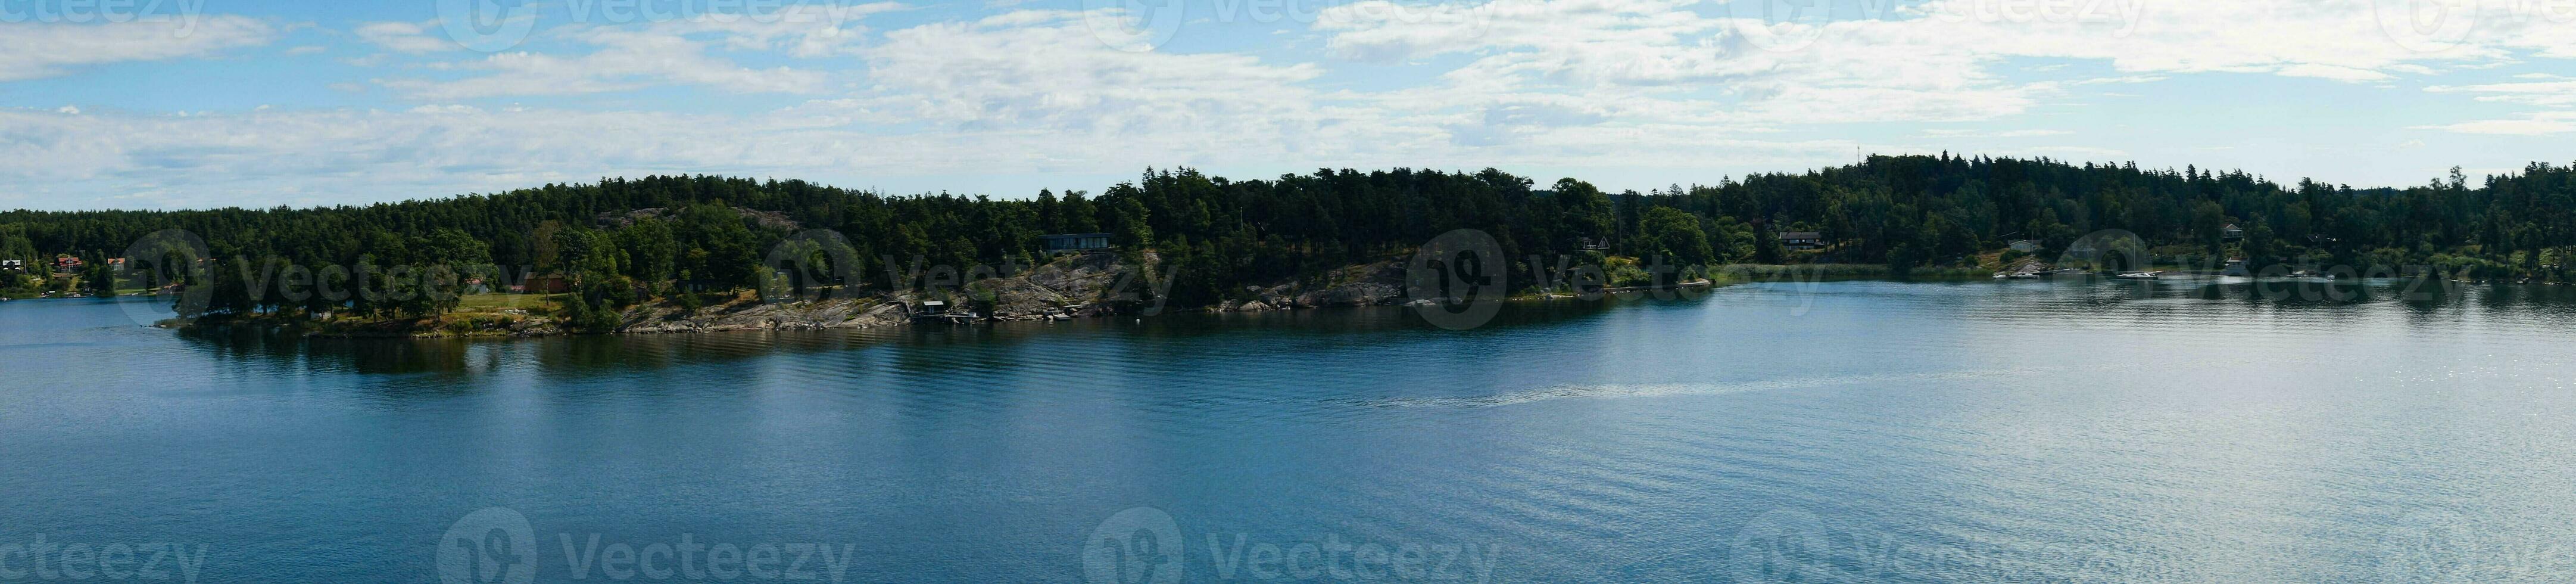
(199,103)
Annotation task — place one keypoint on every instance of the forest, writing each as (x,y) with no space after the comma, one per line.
(623,240)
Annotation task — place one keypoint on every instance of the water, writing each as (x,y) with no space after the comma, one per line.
(1849,431)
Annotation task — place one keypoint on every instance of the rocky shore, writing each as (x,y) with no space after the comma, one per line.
(1073,286)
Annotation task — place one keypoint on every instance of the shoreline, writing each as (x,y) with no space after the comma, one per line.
(745,312)
(749,314)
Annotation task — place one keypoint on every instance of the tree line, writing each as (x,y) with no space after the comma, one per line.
(619,241)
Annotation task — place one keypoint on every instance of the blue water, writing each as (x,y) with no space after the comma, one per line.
(1817,432)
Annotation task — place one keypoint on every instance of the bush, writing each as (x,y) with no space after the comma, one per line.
(1901,261)
(1624,272)
(602,318)
(571,309)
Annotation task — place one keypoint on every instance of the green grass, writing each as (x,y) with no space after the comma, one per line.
(500,302)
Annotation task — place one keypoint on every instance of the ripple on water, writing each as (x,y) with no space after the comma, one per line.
(2022,431)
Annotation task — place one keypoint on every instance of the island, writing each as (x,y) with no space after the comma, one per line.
(705,253)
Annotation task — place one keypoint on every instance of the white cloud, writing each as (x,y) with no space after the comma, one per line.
(1048,69)
(2539,124)
(340,155)
(404,37)
(800,30)
(32,50)
(2554,92)
(1933,61)
(626,60)
(2333,72)
(1664,62)
(1561,85)
(2122,79)
(626,57)
(2546,91)
(1969,133)
(1027,93)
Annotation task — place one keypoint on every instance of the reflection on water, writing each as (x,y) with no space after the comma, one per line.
(923,345)
(1844,431)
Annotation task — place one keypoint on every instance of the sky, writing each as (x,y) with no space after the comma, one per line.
(255,103)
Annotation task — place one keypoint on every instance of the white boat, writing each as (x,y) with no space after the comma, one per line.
(2138,275)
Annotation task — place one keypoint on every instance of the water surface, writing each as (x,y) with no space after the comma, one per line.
(1845,431)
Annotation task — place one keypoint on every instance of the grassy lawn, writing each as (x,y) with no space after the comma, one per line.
(500,302)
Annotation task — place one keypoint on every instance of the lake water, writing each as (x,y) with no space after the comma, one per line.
(1847,431)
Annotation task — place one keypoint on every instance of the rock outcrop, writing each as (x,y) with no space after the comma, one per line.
(793,315)
(1070,286)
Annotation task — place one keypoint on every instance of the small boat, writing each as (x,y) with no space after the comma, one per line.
(2138,275)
